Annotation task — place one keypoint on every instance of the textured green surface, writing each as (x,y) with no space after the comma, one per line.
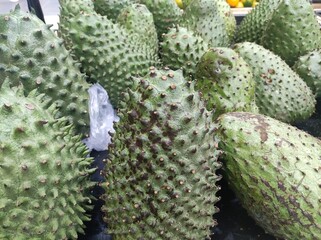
(309,69)
(109,54)
(44,189)
(31,53)
(226,82)
(280,92)
(160,177)
(274,170)
(292,31)
(254,23)
(204,18)
(182,48)
(111,8)
(225,12)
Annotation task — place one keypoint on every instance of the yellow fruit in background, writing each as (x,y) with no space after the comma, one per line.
(240,5)
(233,3)
(179,3)
(255,3)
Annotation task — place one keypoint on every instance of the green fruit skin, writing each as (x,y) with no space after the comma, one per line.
(309,69)
(292,31)
(280,92)
(111,8)
(32,54)
(44,169)
(161,174)
(274,169)
(226,82)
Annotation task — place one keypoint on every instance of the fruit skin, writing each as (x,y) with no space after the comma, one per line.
(182,48)
(31,53)
(280,92)
(109,54)
(111,8)
(161,170)
(292,31)
(226,82)
(274,169)
(233,3)
(44,170)
(309,69)
(204,18)
(253,24)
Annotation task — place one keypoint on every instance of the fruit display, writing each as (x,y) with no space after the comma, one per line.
(204,106)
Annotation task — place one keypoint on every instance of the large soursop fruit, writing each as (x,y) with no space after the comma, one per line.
(181,48)
(44,189)
(109,54)
(292,31)
(30,53)
(274,169)
(226,82)
(254,23)
(280,92)
(111,8)
(160,178)
(309,69)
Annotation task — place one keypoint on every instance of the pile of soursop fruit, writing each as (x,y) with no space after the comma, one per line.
(195,94)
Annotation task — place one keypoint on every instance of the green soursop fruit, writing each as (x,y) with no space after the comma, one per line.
(45,189)
(111,8)
(160,178)
(32,54)
(280,92)
(226,82)
(138,21)
(203,17)
(309,69)
(226,13)
(166,14)
(181,48)
(274,169)
(107,51)
(254,23)
(292,31)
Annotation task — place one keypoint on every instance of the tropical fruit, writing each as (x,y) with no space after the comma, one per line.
(160,177)
(111,8)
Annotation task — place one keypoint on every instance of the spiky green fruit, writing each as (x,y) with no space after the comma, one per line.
(161,181)
(109,54)
(44,189)
(226,13)
(138,21)
(165,12)
(111,8)
(254,23)
(292,31)
(182,48)
(274,169)
(280,92)
(203,17)
(226,82)
(32,54)
(309,69)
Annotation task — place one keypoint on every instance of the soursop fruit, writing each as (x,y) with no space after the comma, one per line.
(204,18)
(160,178)
(274,169)
(280,92)
(292,31)
(32,54)
(45,189)
(309,69)
(109,54)
(111,8)
(254,23)
(226,82)
(181,48)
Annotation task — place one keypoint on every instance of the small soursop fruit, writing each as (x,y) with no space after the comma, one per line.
(280,92)
(274,169)
(226,82)
(161,180)
(292,31)
(111,8)
(309,69)
(44,189)
(254,23)
(32,54)
(181,48)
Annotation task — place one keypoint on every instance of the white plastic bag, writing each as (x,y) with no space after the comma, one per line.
(102,116)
